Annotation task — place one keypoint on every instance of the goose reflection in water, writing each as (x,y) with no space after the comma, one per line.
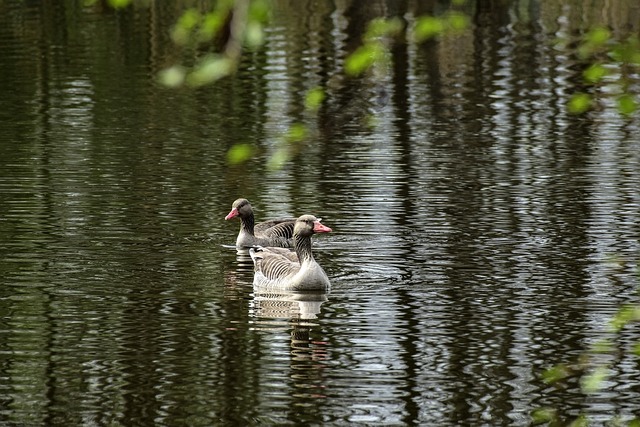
(287,304)
(293,312)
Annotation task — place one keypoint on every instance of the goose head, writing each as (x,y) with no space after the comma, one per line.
(241,208)
(307,225)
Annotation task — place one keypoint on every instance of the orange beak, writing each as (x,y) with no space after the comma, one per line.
(233,213)
(319,228)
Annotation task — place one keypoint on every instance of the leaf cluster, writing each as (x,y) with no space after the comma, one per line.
(230,27)
(593,369)
(608,61)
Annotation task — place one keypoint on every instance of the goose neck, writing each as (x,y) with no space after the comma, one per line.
(248,223)
(303,248)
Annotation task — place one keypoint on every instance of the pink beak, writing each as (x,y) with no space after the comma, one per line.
(233,213)
(319,228)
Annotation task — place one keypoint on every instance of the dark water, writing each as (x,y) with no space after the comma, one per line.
(481,233)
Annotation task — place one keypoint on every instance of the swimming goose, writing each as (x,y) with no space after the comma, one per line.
(276,232)
(282,269)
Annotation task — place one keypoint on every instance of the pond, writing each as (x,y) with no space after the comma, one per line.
(481,233)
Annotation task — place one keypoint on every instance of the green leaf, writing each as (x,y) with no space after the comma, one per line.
(595,73)
(593,381)
(314,99)
(594,40)
(627,51)
(555,373)
(211,69)
(603,346)
(259,11)
(297,132)
(240,153)
(457,21)
(186,24)
(543,415)
(428,27)
(624,315)
(627,104)
(598,36)
(173,76)
(119,4)
(380,27)
(581,421)
(189,19)
(212,24)
(579,103)
(254,35)
(279,158)
(634,58)
(360,60)
(634,423)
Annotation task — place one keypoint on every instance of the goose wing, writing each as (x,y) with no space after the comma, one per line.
(281,227)
(285,252)
(275,263)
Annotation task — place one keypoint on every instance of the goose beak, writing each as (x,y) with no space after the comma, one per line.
(319,228)
(233,213)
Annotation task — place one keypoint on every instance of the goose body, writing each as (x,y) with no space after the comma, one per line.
(282,269)
(276,232)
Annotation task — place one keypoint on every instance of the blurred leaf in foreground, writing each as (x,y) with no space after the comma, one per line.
(579,103)
(594,41)
(314,99)
(360,60)
(428,27)
(240,153)
(593,381)
(173,76)
(210,69)
(556,373)
(543,415)
(627,104)
(595,73)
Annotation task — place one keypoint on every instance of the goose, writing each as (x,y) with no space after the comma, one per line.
(276,232)
(282,269)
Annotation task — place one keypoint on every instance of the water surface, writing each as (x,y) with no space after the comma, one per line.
(481,233)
